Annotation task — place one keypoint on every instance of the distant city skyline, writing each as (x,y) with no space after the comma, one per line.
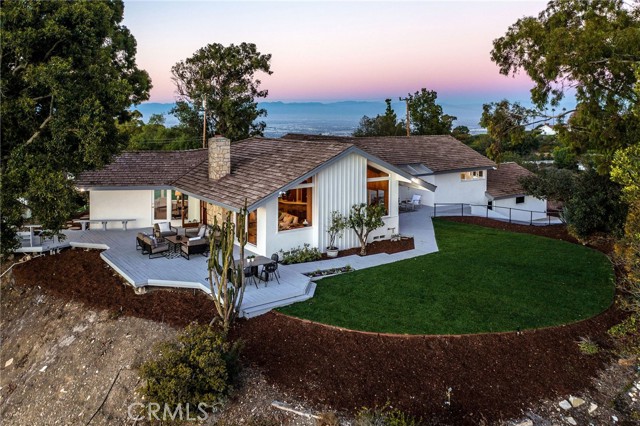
(335,51)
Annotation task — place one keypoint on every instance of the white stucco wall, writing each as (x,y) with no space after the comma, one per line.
(125,204)
(450,189)
(530,203)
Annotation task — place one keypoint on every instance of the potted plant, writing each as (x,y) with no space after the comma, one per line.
(337,225)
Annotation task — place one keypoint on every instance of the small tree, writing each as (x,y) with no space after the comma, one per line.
(363,219)
(337,225)
(226,277)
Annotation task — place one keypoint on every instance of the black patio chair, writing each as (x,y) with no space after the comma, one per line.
(269,270)
(276,260)
(251,272)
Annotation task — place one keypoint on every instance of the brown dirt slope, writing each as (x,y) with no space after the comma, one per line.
(62,358)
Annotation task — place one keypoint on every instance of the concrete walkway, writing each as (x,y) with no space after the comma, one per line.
(412,224)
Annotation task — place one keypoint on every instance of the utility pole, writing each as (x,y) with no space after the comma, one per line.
(204,124)
(407,99)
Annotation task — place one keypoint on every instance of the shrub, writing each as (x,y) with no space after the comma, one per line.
(198,367)
(627,335)
(302,254)
(588,346)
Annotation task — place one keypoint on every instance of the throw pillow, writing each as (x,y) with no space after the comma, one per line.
(164,227)
(154,241)
(201,232)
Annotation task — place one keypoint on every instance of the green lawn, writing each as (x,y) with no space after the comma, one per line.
(481,280)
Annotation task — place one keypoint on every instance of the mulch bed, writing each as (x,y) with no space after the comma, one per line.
(82,276)
(377,247)
(492,376)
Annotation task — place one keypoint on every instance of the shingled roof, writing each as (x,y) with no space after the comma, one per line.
(259,167)
(439,153)
(504,181)
(143,169)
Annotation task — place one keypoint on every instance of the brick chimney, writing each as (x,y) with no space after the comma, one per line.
(219,157)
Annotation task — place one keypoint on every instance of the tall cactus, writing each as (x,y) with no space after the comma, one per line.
(226,276)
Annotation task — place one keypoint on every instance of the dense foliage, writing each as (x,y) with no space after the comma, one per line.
(222,79)
(592,202)
(626,171)
(197,368)
(426,116)
(68,75)
(590,48)
(381,125)
(155,135)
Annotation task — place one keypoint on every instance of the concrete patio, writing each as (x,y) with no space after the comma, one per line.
(120,253)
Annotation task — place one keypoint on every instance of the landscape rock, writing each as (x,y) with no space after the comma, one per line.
(8,363)
(524,423)
(571,421)
(576,402)
(592,407)
(565,405)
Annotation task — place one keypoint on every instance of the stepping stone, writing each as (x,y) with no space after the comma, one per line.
(576,402)
(565,405)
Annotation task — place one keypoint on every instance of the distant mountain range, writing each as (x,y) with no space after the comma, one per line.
(333,118)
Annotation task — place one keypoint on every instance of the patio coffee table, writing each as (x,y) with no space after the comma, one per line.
(175,241)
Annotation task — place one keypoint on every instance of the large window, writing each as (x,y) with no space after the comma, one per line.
(295,207)
(378,188)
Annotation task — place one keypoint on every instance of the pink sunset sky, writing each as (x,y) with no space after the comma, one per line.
(332,51)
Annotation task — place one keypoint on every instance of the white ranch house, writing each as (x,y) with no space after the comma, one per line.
(292,184)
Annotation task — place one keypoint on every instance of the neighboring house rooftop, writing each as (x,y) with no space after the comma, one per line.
(504,181)
(418,155)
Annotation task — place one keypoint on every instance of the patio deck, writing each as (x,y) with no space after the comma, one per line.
(120,253)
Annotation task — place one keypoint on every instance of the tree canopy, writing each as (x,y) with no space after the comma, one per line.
(589,48)
(223,79)
(426,116)
(68,75)
(381,125)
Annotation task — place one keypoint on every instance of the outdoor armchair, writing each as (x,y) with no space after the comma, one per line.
(164,229)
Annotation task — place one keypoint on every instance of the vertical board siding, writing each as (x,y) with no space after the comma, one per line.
(339,187)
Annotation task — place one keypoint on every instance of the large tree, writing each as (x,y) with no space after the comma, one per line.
(584,47)
(505,123)
(426,116)
(223,80)
(68,75)
(381,125)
